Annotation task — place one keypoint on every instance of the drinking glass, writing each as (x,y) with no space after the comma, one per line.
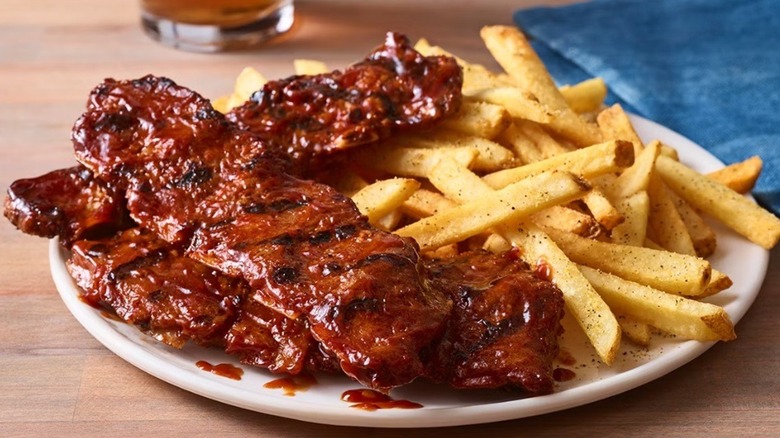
(215,25)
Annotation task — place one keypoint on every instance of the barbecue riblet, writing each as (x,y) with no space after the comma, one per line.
(304,249)
(395,88)
(504,326)
(68,203)
(149,283)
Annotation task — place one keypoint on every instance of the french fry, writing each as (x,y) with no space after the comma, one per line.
(234,100)
(566,219)
(515,54)
(308,67)
(414,162)
(390,221)
(683,317)
(221,104)
(740,177)
(733,209)
(496,244)
(461,185)
(425,48)
(424,203)
(382,197)
(704,239)
(490,155)
(602,209)
(718,283)
(652,245)
(588,162)
(545,143)
(524,148)
(636,178)
(510,204)
(670,272)
(457,182)
(247,82)
(670,152)
(480,119)
(585,96)
(637,332)
(615,124)
(665,223)
(519,103)
(635,210)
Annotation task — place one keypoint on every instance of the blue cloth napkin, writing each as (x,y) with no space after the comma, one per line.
(708,69)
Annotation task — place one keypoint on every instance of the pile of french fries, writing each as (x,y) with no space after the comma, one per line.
(618,224)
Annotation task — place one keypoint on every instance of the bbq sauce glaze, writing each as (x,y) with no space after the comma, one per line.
(291,385)
(222,369)
(371,400)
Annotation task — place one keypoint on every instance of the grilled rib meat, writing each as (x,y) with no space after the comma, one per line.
(149,283)
(68,203)
(395,88)
(504,327)
(304,249)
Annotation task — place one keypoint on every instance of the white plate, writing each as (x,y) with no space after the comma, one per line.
(744,262)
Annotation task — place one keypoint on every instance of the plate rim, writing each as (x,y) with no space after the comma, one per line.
(340,414)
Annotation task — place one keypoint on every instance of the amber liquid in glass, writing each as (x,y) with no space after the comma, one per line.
(215,25)
(212,12)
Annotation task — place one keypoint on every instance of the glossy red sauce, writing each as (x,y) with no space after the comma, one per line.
(89,303)
(543,270)
(563,374)
(566,358)
(108,314)
(222,369)
(370,400)
(513,253)
(292,384)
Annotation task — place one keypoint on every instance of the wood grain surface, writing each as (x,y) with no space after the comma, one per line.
(56,380)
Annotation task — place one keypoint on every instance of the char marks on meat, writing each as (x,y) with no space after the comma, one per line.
(165,147)
(504,326)
(305,250)
(150,284)
(394,89)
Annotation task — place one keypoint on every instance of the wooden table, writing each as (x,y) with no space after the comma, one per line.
(56,380)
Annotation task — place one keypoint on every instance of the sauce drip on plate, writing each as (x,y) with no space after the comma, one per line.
(370,400)
(292,384)
(563,374)
(222,369)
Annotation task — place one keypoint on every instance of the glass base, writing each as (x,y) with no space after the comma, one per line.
(210,38)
